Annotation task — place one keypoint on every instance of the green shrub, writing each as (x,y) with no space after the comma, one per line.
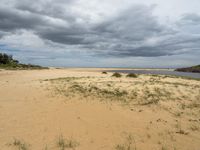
(7,62)
(117,75)
(131,75)
(104,72)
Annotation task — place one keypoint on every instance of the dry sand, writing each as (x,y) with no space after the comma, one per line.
(84,109)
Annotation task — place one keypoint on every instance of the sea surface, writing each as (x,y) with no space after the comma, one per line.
(161,72)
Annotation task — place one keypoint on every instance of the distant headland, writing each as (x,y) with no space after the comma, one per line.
(195,69)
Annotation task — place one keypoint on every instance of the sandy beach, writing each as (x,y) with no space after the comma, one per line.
(84,109)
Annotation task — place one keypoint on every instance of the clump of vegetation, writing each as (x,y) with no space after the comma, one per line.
(154,96)
(19,145)
(117,75)
(78,88)
(163,148)
(131,75)
(193,105)
(180,130)
(128,145)
(194,127)
(104,72)
(7,62)
(63,143)
(150,98)
(96,91)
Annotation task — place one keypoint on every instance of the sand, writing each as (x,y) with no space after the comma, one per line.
(84,109)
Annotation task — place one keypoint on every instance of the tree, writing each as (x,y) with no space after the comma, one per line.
(7,59)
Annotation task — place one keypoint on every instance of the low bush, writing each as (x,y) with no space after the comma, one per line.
(131,75)
(117,75)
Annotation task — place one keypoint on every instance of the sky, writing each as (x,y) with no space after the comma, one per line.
(102,33)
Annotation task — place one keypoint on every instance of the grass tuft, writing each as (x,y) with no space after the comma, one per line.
(128,145)
(20,145)
(63,143)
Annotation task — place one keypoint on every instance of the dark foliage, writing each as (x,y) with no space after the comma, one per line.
(118,75)
(195,69)
(7,62)
(104,72)
(131,75)
(7,59)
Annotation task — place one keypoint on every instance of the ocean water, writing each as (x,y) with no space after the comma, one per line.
(161,72)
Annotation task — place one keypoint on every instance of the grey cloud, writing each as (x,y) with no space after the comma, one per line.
(14,20)
(136,23)
(124,35)
(60,9)
(192,18)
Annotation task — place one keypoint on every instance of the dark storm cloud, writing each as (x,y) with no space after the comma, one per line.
(48,8)
(131,32)
(13,20)
(163,49)
(136,23)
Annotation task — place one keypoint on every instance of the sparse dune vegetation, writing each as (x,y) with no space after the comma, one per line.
(61,109)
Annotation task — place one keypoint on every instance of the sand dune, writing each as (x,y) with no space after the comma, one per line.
(84,109)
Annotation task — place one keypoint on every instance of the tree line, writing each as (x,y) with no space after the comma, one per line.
(7,59)
(7,62)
